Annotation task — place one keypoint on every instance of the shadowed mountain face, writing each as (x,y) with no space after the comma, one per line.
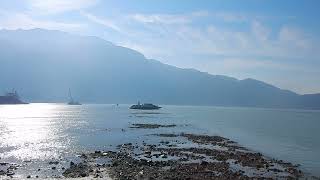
(43,64)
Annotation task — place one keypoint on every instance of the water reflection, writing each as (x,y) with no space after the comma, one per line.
(56,131)
(31,131)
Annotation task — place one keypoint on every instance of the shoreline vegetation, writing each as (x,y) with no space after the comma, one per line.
(175,156)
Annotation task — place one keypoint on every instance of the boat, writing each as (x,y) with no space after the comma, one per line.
(71,100)
(11,98)
(145,106)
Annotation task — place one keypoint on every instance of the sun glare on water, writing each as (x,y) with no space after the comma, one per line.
(30,131)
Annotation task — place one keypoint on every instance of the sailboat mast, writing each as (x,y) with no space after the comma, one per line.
(70,96)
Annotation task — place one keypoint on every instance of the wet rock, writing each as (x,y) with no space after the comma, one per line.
(54,162)
(77,170)
(148,156)
(10,173)
(147,152)
(156,155)
(164,156)
(151,126)
(167,135)
(84,156)
(164,142)
(28,176)
(275,170)
(195,162)
(2,172)
(12,167)
(204,163)
(204,139)
(115,164)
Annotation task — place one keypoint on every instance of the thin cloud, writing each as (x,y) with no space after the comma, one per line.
(213,40)
(261,32)
(14,21)
(161,18)
(102,21)
(188,18)
(59,6)
(231,17)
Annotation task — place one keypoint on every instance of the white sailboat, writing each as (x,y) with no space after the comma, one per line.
(71,100)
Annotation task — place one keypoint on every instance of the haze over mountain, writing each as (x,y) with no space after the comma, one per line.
(43,64)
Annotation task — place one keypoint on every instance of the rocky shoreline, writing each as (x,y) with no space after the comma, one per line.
(164,161)
(174,156)
(182,156)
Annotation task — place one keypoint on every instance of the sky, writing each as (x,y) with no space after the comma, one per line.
(270,40)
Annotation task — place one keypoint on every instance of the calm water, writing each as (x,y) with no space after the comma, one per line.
(37,133)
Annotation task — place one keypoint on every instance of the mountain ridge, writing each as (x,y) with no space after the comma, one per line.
(43,64)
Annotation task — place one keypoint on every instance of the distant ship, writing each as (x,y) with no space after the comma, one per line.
(11,98)
(146,106)
(71,100)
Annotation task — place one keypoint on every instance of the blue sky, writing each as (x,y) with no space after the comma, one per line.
(273,41)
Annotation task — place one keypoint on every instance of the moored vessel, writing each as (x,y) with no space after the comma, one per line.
(145,106)
(11,98)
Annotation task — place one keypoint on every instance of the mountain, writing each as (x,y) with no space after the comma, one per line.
(43,64)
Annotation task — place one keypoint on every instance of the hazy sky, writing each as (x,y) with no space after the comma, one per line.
(274,41)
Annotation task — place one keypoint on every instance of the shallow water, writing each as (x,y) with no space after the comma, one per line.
(38,133)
